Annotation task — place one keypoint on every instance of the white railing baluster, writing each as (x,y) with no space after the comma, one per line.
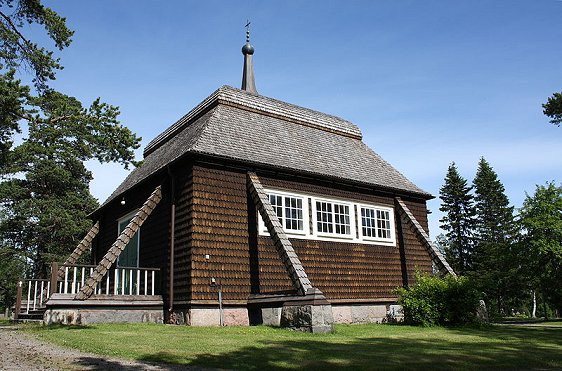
(66,280)
(123,280)
(152,292)
(107,284)
(73,289)
(60,287)
(116,281)
(28,295)
(145,282)
(83,274)
(138,282)
(41,296)
(35,296)
(48,290)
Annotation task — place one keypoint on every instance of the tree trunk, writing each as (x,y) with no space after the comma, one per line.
(544,306)
(534,313)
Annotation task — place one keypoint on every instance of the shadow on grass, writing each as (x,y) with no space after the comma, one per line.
(465,348)
(69,327)
(96,363)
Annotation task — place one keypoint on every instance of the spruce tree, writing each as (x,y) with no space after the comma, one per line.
(457,204)
(496,263)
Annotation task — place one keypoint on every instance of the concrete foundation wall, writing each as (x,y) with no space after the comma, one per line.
(211,317)
(367,313)
(80,316)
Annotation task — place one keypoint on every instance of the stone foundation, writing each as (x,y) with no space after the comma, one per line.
(367,313)
(79,316)
(211,317)
(308,317)
(310,312)
(64,309)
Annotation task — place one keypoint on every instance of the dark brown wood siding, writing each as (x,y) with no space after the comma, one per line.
(347,270)
(223,225)
(417,257)
(183,231)
(220,230)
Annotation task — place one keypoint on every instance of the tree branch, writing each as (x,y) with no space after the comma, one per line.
(16,31)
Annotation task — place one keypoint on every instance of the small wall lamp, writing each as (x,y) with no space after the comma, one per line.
(123,201)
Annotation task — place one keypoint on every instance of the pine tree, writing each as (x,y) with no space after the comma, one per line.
(44,192)
(496,264)
(457,204)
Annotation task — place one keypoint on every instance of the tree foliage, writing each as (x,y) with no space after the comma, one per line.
(44,193)
(541,218)
(553,108)
(495,254)
(439,301)
(458,221)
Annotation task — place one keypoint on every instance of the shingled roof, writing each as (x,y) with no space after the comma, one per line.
(238,125)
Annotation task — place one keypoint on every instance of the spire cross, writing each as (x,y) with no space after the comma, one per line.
(247,30)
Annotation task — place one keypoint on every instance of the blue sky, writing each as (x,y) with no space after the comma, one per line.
(427,82)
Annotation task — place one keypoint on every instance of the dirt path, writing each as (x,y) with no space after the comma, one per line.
(21,351)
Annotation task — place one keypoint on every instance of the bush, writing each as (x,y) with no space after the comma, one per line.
(439,301)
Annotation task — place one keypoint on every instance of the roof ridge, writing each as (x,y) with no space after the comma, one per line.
(352,130)
(265,105)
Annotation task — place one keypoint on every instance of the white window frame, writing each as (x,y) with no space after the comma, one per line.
(310,231)
(390,241)
(333,235)
(290,232)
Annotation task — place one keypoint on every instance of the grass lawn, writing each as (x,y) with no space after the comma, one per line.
(353,347)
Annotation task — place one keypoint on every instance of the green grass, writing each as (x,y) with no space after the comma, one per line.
(353,347)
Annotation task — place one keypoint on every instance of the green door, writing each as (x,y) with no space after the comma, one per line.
(128,258)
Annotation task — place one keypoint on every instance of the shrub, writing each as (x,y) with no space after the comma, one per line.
(439,301)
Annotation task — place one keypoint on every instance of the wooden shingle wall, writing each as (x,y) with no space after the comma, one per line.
(347,270)
(417,257)
(184,230)
(245,263)
(220,230)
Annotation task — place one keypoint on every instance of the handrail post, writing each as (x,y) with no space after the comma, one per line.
(54,277)
(17,308)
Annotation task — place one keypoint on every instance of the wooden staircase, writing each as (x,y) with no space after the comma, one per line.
(30,315)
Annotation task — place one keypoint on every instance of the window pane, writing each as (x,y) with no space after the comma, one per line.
(368,222)
(276,203)
(293,214)
(341,216)
(324,217)
(383,224)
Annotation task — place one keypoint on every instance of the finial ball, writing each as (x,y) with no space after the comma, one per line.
(247,49)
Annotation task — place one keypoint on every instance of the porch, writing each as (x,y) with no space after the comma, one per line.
(124,294)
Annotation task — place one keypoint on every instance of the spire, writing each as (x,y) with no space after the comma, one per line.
(248,81)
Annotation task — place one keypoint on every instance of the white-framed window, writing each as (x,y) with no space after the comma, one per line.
(314,217)
(376,223)
(292,211)
(333,218)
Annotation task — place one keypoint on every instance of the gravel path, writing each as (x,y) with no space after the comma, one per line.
(21,351)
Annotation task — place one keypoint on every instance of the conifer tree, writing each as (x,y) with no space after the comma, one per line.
(44,187)
(495,257)
(457,204)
